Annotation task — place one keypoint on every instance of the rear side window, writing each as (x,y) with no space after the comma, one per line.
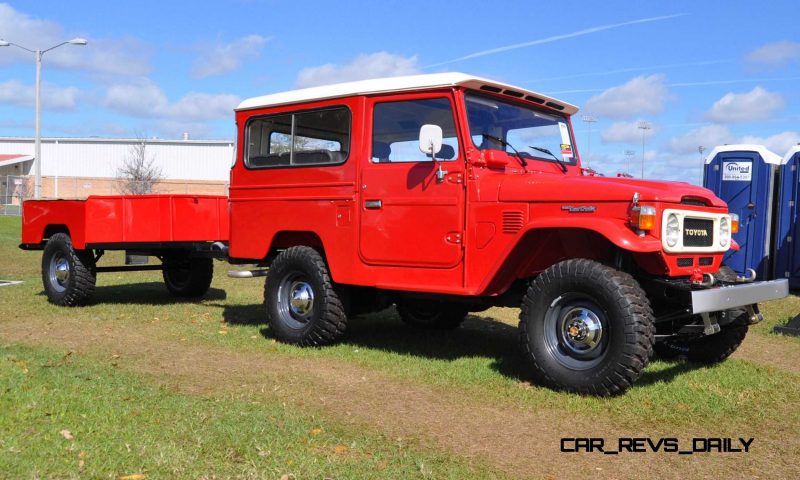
(317,137)
(395,130)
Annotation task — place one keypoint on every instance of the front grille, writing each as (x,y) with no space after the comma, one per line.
(698,232)
(685,262)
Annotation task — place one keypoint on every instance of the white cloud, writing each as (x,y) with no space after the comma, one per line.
(143,98)
(777,54)
(640,95)
(757,104)
(365,66)
(228,57)
(14,92)
(708,136)
(105,56)
(779,143)
(625,132)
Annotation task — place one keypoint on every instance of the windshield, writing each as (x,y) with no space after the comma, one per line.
(520,127)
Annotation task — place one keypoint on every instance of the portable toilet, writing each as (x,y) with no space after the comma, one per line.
(787,251)
(744,176)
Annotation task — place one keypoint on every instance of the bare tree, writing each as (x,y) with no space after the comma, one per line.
(139,172)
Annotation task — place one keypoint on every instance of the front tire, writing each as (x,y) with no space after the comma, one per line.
(302,305)
(68,275)
(710,349)
(586,328)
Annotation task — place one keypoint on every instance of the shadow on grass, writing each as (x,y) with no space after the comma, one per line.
(148,293)
(479,336)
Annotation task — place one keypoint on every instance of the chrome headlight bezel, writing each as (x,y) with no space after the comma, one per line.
(672,231)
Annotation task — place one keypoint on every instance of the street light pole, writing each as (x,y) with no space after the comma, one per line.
(701,149)
(37,160)
(590,120)
(628,155)
(644,127)
(37,155)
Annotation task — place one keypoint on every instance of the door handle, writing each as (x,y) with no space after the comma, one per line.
(373,204)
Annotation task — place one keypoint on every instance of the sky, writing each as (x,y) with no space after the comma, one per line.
(699,73)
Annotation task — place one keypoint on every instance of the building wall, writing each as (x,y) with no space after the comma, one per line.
(205,160)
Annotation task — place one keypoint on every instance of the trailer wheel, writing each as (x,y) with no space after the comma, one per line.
(68,275)
(188,277)
(586,327)
(431,314)
(301,303)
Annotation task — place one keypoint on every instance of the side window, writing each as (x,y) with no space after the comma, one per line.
(395,130)
(305,138)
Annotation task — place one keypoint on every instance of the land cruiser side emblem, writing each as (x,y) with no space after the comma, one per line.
(581,209)
(696,232)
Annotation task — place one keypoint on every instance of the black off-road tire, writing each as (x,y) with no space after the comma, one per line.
(316,316)
(579,293)
(68,275)
(187,277)
(431,314)
(710,349)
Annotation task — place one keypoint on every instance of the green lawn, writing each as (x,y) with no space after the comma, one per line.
(478,361)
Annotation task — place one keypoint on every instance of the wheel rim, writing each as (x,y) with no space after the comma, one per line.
(59,272)
(576,332)
(295,300)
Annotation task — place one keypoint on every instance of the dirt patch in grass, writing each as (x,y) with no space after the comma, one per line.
(520,442)
(770,351)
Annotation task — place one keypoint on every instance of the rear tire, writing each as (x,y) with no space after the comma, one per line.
(431,314)
(586,328)
(68,275)
(187,277)
(302,305)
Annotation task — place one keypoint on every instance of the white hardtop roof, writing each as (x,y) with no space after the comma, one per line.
(790,153)
(396,84)
(768,156)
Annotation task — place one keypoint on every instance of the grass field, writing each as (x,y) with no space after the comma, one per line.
(146,385)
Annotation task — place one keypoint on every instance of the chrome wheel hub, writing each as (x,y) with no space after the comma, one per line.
(581,330)
(301,298)
(59,272)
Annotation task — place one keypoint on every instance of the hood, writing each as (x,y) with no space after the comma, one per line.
(573,188)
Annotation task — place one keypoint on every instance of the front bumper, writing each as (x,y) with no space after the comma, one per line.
(732,296)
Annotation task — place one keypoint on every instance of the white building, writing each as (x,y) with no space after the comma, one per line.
(78,167)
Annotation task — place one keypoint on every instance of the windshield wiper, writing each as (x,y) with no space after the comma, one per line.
(506,144)
(560,161)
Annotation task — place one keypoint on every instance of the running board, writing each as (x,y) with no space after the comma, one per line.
(247,273)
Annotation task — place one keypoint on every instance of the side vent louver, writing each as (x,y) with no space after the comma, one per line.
(512,221)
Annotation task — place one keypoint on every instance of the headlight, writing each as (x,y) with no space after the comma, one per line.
(673,231)
(724,231)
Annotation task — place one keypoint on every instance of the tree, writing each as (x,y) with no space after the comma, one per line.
(139,172)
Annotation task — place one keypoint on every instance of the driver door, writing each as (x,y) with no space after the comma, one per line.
(408,217)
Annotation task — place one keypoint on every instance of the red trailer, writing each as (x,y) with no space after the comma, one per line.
(442,194)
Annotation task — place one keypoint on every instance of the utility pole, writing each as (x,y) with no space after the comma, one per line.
(590,120)
(644,127)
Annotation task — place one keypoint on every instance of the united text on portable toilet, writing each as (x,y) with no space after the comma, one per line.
(787,248)
(744,177)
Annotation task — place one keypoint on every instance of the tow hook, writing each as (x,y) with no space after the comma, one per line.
(750,277)
(754,315)
(710,325)
(704,280)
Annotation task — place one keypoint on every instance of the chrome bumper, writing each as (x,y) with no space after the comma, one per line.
(723,298)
